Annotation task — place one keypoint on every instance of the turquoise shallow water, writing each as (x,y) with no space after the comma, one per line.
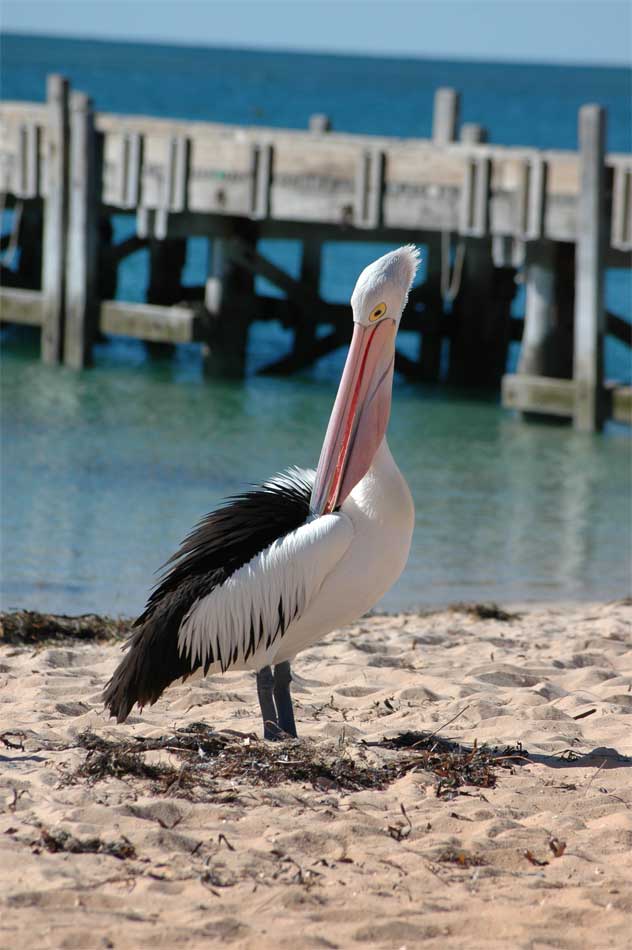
(104,472)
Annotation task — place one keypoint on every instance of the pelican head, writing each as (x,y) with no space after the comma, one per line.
(361,411)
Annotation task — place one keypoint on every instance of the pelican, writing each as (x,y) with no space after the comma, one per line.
(278,567)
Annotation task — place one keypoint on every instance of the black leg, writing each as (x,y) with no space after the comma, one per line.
(265,687)
(283,699)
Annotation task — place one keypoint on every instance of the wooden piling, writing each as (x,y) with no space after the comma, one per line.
(445,117)
(29,270)
(230,300)
(319,122)
(432,336)
(444,128)
(81,263)
(167,258)
(536,353)
(589,272)
(474,317)
(55,220)
(307,316)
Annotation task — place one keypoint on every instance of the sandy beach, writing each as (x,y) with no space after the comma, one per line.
(205,837)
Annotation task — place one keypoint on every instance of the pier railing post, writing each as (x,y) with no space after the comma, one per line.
(589,273)
(55,219)
(319,122)
(81,248)
(445,117)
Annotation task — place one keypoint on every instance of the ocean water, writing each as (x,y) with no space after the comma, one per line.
(103,472)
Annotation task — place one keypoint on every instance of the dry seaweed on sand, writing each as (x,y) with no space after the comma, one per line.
(31,628)
(453,764)
(489,611)
(461,858)
(209,757)
(56,841)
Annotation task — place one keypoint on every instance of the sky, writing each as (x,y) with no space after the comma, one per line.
(546,31)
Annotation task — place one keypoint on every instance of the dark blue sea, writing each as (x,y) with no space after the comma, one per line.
(103,472)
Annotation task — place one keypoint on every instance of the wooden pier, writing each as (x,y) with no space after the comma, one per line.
(486,215)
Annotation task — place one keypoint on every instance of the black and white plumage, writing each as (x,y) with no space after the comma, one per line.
(278,567)
(222,542)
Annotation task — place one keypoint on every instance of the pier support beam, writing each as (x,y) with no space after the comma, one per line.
(481,308)
(55,220)
(538,339)
(82,248)
(230,300)
(432,336)
(306,316)
(166,262)
(589,273)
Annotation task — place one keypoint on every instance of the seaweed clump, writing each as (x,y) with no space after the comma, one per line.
(453,764)
(28,627)
(56,841)
(208,758)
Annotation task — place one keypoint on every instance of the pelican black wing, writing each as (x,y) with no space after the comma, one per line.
(220,544)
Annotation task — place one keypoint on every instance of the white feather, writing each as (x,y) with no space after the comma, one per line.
(292,571)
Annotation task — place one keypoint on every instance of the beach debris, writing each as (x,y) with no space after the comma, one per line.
(489,611)
(200,761)
(56,841)
(531,858)
(32,628)
(557,847)
(453,764)
(462,858)
(209,757)
(401,830)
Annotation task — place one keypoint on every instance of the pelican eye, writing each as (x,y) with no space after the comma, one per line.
(377,312)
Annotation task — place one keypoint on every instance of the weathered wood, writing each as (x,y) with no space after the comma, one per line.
(589,274)
(472,133)
(243,253)
(149,322)
(188,178)
(445,117)
(55,220)
(21,306)
(621,224)
(539,394)
(308,315)
(619,328)
(321,347)
(81,260)
(264,157)
(475,318)
(537,353)
(166,262)
(30,227)
(621,403)
(29,160)
(230,286)
(432,335)
(319,122)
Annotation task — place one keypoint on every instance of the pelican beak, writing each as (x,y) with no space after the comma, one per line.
(360,415)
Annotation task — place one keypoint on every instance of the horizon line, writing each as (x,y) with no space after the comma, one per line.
(373,54)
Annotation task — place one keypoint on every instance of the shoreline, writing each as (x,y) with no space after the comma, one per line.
(391,822)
